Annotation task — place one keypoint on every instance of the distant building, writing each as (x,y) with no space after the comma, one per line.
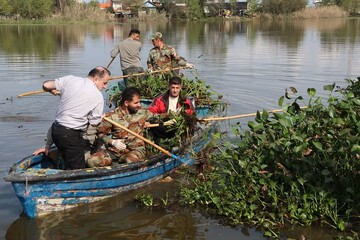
(121,10)
(149,7)
(105,5)
(317,2)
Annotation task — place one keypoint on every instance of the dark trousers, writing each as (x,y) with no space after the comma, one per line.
(71,145)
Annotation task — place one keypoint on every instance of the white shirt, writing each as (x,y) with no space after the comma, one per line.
(81,102)
(173,104)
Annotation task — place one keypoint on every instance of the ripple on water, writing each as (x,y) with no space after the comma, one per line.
(19,118)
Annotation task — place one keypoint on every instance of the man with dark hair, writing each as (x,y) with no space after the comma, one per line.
(162,57)
(170,101)
(81,104)
(121,146)
(129,52)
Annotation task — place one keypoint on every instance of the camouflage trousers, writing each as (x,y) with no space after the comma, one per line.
(133,70)
(106,157)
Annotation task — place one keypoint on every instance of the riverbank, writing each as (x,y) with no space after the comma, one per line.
(86,14)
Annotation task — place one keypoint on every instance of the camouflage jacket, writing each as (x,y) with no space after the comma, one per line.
(160,59)
(134,122)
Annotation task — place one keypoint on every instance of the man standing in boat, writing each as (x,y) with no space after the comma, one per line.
(162,57)
(120,146)
(81,104)
(129,53)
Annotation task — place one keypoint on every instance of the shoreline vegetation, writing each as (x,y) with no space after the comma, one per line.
(71,12)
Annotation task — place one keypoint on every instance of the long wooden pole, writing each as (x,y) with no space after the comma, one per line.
(241,116)
(30,93)
(168,123)
(112,78)
(142,138)
(144,73)
(110,62)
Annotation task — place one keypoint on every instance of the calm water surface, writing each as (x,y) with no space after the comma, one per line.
(251,64)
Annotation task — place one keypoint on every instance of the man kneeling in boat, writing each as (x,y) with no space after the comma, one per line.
(121,146)
(91,145)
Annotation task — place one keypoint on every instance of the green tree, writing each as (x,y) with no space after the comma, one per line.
(32,8)
(5,7)
(253,6)
(352,6)
(40,8)
(195,9)
(93,3)
(61,4)
(168,7)
(283,6)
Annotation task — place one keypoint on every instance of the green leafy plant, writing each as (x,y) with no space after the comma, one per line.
(300,166)
(165,200)
(153,85)
(145,199)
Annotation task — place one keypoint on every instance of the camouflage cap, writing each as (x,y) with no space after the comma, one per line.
(155,35)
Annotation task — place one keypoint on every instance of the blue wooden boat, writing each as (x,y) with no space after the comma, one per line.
(42,188)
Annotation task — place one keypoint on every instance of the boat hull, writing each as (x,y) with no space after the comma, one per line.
(42,189)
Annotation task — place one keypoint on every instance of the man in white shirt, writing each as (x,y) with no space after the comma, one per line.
(81,103)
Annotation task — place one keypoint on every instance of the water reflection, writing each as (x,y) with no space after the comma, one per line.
(107,225)
(45,41)
(120,218)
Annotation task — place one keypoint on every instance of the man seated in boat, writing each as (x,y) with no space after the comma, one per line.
(171,102)
(119,145)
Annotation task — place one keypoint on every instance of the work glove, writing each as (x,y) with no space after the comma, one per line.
(170,122)
(119,144)
(189,65)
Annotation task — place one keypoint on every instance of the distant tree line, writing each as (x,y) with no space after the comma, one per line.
(30,9)
(351,6)
(282,6)
(26,8)
(290,6)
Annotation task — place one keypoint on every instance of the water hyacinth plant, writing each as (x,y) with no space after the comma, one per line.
(301,166)
(152,86)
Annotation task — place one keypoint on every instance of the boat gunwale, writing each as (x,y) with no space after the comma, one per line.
(80,173)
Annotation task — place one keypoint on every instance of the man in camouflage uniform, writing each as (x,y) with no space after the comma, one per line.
(121,146)
(162,56)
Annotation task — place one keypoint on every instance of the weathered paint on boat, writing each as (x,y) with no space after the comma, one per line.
(42,189)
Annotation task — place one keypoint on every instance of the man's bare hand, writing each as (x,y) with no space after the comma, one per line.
(55,92)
